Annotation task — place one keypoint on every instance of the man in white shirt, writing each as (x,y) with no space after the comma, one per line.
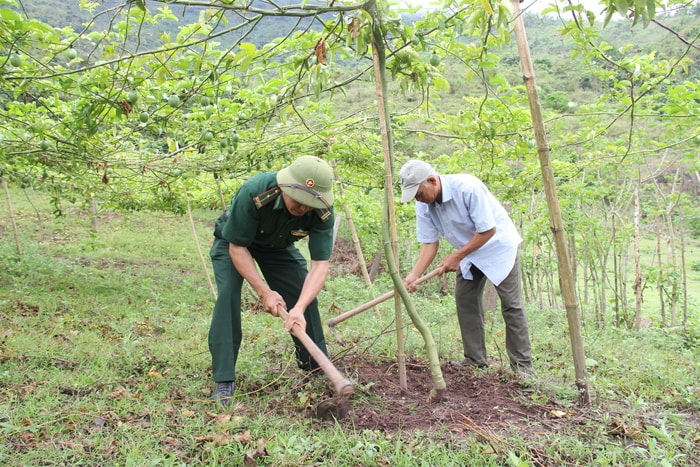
(461,209)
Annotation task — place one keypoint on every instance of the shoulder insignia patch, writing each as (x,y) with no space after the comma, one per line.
(324,213)
(266,197)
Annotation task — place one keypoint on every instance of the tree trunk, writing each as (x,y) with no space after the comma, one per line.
(684,273)
(616,271)
(563,258)
(490,298)
(660,277)
(637,262)
(672,203)
(221,194)
(376,264)
(93,213)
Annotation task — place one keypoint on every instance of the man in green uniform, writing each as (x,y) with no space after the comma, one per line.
(270,212)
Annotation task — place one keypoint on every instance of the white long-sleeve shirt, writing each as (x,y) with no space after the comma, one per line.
(468,207)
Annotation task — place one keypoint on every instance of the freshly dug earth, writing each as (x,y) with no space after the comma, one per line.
(492,399)
(482,399)
(484,404)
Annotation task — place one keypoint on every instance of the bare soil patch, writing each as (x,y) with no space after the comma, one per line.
(492,399)
(475,400)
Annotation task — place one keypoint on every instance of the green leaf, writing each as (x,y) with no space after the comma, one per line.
(440,83)
(246,55)
(10,15)
(621,6)
(651,8)
(487,6)
(659,434)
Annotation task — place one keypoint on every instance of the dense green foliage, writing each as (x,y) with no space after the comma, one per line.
(149,109)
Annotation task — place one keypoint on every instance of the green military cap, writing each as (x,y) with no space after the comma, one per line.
(309,181)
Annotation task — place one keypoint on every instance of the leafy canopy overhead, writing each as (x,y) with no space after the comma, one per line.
(141,97)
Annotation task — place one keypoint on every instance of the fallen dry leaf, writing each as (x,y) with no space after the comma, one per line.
(243,438)
(170,441)
(120,392)
(220,418)
(187,413)
(251,457)
(217,439)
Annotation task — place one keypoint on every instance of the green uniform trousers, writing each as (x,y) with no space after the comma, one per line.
(470,313)
(285,271)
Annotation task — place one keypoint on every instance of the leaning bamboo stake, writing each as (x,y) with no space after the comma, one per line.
(11,212)
(197,244)
(568,283)
(376,301)
(355,238)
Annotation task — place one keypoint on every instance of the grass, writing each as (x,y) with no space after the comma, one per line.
(103,361)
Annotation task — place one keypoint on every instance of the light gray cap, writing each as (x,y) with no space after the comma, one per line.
(412,174)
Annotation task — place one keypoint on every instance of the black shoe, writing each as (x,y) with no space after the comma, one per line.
(223,392)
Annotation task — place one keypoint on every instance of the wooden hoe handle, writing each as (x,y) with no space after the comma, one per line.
(349,314)
(342,386)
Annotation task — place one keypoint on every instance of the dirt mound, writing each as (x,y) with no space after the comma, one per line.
(475,400)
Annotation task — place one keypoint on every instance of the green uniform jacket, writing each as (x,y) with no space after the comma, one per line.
(257,217)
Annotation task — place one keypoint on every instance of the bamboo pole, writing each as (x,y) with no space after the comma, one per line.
(389,222)
(197,244)
(374,302)
(11,213)
(568,285)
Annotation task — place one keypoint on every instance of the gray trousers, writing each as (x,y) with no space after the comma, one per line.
(470,313)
